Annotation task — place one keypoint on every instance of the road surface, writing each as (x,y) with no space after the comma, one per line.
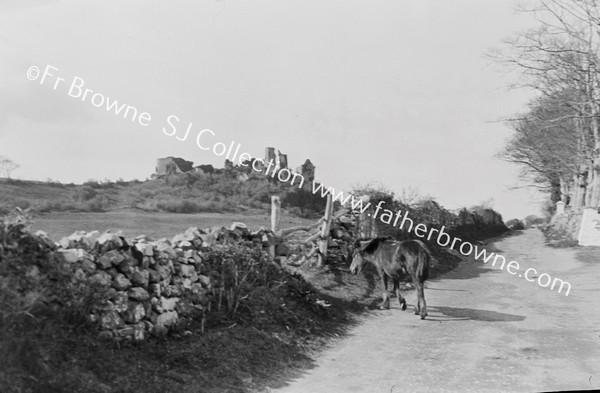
(487,331)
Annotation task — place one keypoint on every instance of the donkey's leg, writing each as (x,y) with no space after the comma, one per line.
(401,299)
(422,296)
(417,285)
(386,297)
(421,307)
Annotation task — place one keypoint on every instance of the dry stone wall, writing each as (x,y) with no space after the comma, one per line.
(150,284)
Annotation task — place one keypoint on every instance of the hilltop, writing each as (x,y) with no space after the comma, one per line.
(176,193)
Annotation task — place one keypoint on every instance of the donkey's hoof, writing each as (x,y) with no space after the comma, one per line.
(403,306)
(423,316)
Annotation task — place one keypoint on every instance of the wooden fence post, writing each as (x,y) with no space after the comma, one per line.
(275,213)
(365,227)
(325,228)
(275,219)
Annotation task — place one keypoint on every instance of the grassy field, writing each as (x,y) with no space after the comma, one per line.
(153,224)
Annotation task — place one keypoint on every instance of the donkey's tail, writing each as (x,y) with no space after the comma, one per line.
(423,260)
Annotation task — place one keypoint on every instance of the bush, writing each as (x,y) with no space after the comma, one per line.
(54,206)
(250,289)
(85,193)
(515,224)
(43,311)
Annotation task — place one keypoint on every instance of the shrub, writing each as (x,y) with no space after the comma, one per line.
(515,224)
(250,289)
(43,311)
(85,193)
(53,206)
(99,203)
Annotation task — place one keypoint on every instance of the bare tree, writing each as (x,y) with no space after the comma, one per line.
(7,166)
(560,59)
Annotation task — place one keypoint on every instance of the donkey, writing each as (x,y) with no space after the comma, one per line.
(396,260)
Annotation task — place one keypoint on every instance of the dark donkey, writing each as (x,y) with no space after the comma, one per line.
(397,260)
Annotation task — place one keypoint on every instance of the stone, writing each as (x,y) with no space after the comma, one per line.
(111,320)
(140,278)
(168,304)
(148,261)
(164,247)
(155,289)
(72,241)
(113,272)
(197,288)
(139,294)
(159,330)
(171,290)
(149,325)
(104,262)
(101,277)
(146,249)
(121,283)
(126,267)
(167,319)
(197,257)
(185,307)
(105,335)
(33,272)
(208,239)
(186,245)
(154,276)
(79,239)
(90,239)
(186,283)
(238,224)
(156,305)
(164,259)
(121,302)
(114,256)
(135,312)
(108,242)
(126,333)
(282,250)
(190,234)
(147,306)
(204,280)
(88,266)
(164,271)
(139,331)
(79,274)
(186,270)
(72,255)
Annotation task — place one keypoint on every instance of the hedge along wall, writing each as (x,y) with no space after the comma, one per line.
(472,224)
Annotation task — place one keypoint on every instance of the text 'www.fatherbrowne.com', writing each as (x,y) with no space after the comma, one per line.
(206,140)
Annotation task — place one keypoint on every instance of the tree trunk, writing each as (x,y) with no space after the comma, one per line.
(578,191)
(595,198)
(589,186)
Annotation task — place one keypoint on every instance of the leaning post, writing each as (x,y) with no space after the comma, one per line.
(325,229)
(275,213)
(275,219)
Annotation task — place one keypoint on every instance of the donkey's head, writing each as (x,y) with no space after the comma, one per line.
(358,261)
(365,251)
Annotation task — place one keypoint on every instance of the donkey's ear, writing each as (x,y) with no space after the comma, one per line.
(370,246)
(361,243)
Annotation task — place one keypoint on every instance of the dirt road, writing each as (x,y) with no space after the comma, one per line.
(486,331)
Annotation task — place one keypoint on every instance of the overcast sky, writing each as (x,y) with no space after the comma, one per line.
(396,92)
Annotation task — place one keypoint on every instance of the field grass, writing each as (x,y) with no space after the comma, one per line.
(153,224)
